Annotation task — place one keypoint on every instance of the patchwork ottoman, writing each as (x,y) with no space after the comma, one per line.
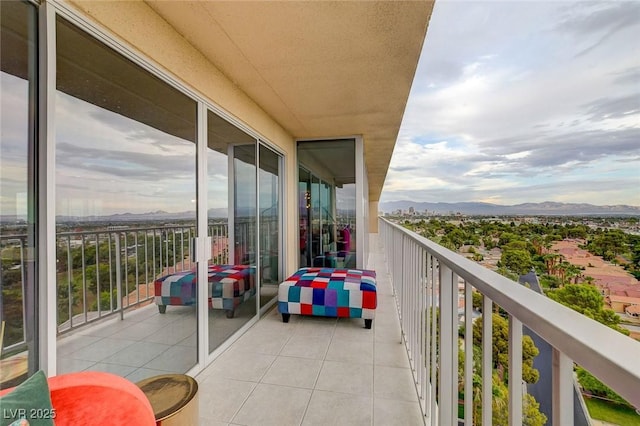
(228,287)
(329,292)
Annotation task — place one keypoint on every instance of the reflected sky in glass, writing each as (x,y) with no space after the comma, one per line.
(108,164)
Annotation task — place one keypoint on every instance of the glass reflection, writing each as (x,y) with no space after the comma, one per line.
(125,214)
(18,307)
(327,204)
(270,241)
(304,214)
(232,274)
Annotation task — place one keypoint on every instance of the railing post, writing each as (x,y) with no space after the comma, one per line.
(70,283)
(487,361)
(110,274)
(84,280)
(562,385)
(434,340)
(118,277)
(448,371)
(428,340)
(98,287)
(468,355)
(137,283)
(422,324)
(515,371)
(23,279)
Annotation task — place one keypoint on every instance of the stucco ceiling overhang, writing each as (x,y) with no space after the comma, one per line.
(321,69)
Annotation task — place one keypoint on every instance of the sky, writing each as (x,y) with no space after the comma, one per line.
(512,102)
(518,102)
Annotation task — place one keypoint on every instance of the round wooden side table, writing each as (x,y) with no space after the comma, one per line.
(174,398)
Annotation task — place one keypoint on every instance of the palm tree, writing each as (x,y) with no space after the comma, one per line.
(572,271)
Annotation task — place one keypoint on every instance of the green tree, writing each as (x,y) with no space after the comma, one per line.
(517,260)
(500,356)
(608,244)
(595,387)
(531,415)
(587,300)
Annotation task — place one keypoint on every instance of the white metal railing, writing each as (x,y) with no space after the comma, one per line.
(108,270)
(425,275)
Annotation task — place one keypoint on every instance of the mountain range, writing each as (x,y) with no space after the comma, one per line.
(547,208)
(159,215)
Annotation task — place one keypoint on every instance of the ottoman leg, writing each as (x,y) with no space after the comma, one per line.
(367,323)
(162,308)
(285,317)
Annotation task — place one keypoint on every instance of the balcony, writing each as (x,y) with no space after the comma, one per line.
(426,275)
(315,371)
(291,373)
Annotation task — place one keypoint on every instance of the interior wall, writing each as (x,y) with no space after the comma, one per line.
(146,33)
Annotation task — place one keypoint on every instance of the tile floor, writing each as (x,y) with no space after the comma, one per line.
(146,343)
(311,371)
(314,371)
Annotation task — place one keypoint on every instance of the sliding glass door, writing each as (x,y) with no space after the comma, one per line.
(126,281)
(18,175)
(125,214)
(327,203)
(232,275)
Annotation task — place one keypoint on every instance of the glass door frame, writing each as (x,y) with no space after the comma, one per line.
(281,222)
(46,233)
(362,195)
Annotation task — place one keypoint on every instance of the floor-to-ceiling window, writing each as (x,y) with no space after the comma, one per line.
(125,212)
(327,203)
(126,203)
(18,168)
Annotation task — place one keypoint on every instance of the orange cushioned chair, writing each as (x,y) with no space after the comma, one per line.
(94,398)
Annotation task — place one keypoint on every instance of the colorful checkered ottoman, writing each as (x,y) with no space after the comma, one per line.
(229,286)
(329,292)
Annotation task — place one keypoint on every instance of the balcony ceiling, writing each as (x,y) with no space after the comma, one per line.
(320,69)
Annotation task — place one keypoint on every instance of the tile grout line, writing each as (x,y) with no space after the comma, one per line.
(275,357)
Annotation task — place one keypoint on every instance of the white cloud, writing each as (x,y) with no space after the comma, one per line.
(513,97)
